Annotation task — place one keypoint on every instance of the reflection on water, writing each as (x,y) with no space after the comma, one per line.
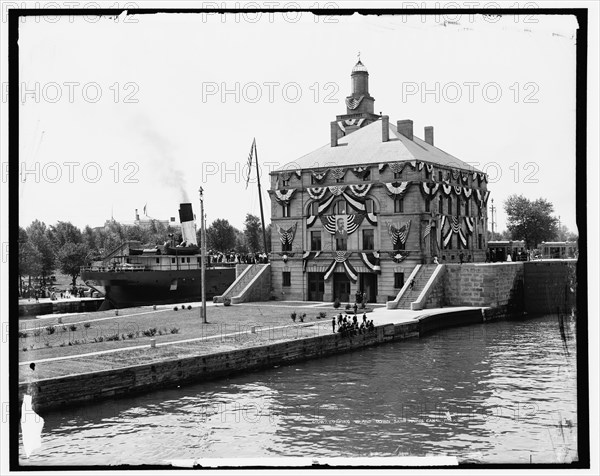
(503,392)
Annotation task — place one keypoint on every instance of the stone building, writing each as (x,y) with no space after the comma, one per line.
(360,212)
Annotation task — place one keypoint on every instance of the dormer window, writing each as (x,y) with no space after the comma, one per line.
(285,183)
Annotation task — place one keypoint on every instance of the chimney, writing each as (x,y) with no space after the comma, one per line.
(334,134)
(405,127)
(429,134)
(385,128)
(137,217)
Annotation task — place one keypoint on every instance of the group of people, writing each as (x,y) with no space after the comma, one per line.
(233,257)
(349,326)
(31,292)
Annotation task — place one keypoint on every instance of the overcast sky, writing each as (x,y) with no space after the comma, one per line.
(182,96)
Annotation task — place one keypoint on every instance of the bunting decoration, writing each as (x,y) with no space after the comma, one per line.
(464,178)
(395,167)
(482,197)
(381,167)
(288,174)
(310,221)
(353,103)
(361,172)
(319,176)
(307,256)
(429,189)
(398,232)
(457,190)
(446,176)
(323,205)
(397,188)
(337,190)
(467,192)
(420,165)
(463,238)
(447,189)
(341,225)
(413,164)
(338,173)
(429,169)
(359,205)
(342,257)
(399,256)
(470,223)
(455,174)
(284,195)
(427,229)
(372,261)
(316,193)
(287,236)
(360,190)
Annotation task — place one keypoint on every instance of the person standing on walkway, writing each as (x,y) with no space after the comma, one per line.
(333,324)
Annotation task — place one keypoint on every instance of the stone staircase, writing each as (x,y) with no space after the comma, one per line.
(240,291)
(408,295)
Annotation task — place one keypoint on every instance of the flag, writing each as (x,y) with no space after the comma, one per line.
(252,149)
(145,209)
(427,230)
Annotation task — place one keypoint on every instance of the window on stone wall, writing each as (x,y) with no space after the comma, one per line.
(440,175)
(427,205)
(341,244)
(480,241)
(339,208)
(314,208)
(287,246)
(285,183)
(368,239)
(286,210)
(467,207)
(398,175)
(399,205)
(369,205)
(457,206)
(398,280)
(286,278)
(315,240)
(441,205)
(449,205)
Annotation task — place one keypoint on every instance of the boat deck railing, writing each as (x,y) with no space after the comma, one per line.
(154,267)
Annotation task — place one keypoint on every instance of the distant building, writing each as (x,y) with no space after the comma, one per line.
(360,212)
(558,249)
(146,222)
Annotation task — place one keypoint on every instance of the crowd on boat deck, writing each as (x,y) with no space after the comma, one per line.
(233,257)
(349,325)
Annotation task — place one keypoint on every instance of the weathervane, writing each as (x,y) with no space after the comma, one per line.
(358,56)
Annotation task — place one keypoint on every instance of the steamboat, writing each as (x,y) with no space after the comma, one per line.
(135,276)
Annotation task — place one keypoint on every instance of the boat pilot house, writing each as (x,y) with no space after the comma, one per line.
(357,215)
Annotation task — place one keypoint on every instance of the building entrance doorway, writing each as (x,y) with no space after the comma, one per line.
(368,284)
(316,286)
(341,287)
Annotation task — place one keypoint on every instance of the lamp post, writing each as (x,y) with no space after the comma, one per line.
(493,222)
(202,256)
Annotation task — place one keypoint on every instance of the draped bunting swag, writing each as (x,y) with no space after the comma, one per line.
(360,190)
(421,164)
(429,189)
(338,173)
(372,261)
(316,193)
(319,176)
(397,188)
(398,256)
(352,103)
(429,168)
(284,195)
(342,257)
(307,256)
(361,172)
(337,190)
(288,175)
(447,189)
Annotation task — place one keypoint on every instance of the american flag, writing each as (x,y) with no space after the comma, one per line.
(250,155)
(427,229)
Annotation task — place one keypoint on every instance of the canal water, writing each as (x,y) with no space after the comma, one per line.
(503,392)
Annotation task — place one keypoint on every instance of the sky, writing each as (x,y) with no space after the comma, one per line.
(141,111)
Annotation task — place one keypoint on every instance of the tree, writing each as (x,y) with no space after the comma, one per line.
(253,233)
(29,259)
(221,235)
(64,232)
(39,239)
(71,257)
(531,221)
(268,230)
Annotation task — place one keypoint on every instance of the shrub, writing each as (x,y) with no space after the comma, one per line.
(131,335)
(174,330)
(23,335)
(50,330)
(322,315)
(62,345)
(175,308)
(363,305)
(348,307)
(150,332)
(37,332)
(25,349)
(227,302)
(189,307)
(63,328)
(87,325)
(215,299)
(293,316)
(112,337)
(160,332)
(336,303)
(302,317)
(73,327)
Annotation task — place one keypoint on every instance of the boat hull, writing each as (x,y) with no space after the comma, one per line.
(137,288)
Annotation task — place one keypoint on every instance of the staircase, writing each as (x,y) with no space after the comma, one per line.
(242,288)
(407,296)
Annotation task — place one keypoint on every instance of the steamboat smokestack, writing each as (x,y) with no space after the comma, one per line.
(188,225)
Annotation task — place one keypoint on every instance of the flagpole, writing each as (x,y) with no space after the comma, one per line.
(262,214)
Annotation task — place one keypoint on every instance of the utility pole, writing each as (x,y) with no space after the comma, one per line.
(202,256)
(493,209)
